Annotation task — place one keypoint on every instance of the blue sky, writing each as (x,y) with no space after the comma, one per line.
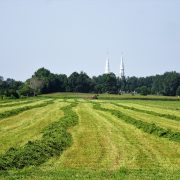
(74,35)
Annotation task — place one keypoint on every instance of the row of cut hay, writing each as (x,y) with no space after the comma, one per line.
(168,116)
(165,105)
(17,130)
(150,128)
(9,101)
(21,100)
(16,103)
(16,111)
(54,141)
(159,121)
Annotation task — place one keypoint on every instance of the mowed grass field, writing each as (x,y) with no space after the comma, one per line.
(106,142)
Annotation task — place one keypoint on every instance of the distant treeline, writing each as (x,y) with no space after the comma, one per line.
(43,81)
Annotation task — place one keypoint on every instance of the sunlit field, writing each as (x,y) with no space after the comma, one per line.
(72,136)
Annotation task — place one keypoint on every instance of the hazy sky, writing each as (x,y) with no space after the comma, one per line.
(74,35)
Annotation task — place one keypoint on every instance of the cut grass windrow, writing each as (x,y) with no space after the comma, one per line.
(168,116)
(13,112)
(150,128)
(54,141)
(16,104)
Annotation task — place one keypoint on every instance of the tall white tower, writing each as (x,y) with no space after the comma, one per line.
(122,73)
(107,68)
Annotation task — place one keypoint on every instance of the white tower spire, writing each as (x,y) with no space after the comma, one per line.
(107,68)
(122,74)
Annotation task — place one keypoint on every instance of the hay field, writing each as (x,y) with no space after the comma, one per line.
(78,138)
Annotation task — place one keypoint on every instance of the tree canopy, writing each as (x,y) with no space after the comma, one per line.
(43,81)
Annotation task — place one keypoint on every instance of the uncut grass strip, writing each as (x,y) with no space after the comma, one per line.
(150,128)
(168,116)
(55,139)
(13,112)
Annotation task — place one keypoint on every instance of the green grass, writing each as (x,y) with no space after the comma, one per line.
(147,127)
(18,130)
(73,174)
(55,139)
(164,109)
(101,145)
(69,95)
(166,105)
(15,105)
(16,110)
(159,121)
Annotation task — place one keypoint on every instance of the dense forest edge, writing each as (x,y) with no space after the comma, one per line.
(44,82)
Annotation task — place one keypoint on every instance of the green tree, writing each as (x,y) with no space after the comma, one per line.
(36,85)
(106,83)
(178,91)
(143,90)
(25,90)
(171,81)
(131,84)
(73,82)
(80,82)
(157,85)
(42,73)
(1,86)
(11,87)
